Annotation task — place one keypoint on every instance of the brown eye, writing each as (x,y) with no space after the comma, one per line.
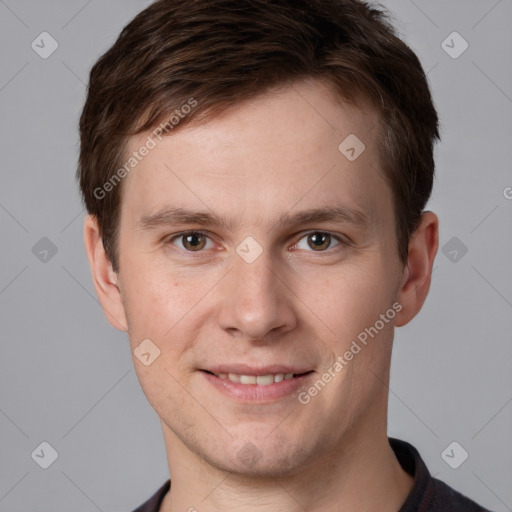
(193,241)
(319,241)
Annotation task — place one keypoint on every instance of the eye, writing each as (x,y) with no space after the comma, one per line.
(192,241)
(319,241)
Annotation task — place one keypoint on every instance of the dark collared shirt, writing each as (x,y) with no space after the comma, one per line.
(427,494)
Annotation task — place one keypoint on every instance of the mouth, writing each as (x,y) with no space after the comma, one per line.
(260,380)
(263,386)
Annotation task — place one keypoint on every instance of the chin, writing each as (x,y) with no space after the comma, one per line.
(263,461)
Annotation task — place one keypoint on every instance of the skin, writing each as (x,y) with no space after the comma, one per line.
(295,304)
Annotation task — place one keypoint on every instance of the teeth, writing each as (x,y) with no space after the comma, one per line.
(262,380)
(247,379)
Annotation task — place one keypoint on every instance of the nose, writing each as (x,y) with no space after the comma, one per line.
(255,301)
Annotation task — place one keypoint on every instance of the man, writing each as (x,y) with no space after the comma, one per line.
(255,174)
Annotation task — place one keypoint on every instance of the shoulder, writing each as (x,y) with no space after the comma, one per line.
(153,504)
(428,494)
(440,497)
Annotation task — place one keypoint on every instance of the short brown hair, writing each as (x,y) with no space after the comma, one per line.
(221,52)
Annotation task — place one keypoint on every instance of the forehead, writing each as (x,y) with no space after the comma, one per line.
(290,148)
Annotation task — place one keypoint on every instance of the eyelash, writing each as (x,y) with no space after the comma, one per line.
(341,241)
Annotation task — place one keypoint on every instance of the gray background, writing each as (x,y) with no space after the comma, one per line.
(66,376)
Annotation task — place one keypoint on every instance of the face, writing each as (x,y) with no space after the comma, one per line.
(252,246)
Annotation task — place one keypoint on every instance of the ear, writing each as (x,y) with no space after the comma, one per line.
(103,276)
(417,273)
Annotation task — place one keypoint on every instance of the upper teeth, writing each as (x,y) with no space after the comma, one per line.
(262,380)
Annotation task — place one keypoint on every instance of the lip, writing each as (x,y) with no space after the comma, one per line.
(242,369)
(256,393)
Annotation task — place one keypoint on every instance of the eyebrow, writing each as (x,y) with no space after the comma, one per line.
(170,215)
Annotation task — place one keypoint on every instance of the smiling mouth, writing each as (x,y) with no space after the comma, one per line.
(261,380)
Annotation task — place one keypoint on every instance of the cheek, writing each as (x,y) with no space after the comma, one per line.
(152,295)
(163,306)
(348,300)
